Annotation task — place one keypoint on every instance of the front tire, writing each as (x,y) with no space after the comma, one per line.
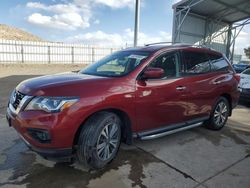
(219,115)
(99,140)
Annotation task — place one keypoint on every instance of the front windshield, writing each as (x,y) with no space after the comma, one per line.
(116,64)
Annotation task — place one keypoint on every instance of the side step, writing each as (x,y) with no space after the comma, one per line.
(168,132)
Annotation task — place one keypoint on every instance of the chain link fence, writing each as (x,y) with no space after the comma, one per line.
(12,51)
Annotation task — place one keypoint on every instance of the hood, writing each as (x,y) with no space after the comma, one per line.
(66,84)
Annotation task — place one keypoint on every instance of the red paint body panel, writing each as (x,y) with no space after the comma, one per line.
(149,104)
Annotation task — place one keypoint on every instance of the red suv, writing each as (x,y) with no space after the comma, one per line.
(142,93)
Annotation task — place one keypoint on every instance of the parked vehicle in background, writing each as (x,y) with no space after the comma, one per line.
(246,62)
(245,85)
(240,67)
(143,93)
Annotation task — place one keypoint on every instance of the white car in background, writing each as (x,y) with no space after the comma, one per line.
(245,85)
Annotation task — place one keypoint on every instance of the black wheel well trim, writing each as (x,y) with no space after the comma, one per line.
(127,135)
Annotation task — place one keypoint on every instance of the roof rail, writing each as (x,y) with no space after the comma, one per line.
(173,43)
(201,46)
(156,43)
(180,44)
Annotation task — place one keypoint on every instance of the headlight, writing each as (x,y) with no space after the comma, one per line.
(50,104)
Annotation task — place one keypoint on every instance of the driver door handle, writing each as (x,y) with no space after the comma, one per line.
(180,88)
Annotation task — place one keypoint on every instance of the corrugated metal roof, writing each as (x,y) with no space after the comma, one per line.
(228,11)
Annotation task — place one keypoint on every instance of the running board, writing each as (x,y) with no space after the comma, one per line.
(157,135)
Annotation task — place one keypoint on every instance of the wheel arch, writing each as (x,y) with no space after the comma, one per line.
(127,135)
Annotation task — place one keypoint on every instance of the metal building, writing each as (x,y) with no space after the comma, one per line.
(213,23)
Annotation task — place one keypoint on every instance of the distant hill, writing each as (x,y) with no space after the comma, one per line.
(12,33)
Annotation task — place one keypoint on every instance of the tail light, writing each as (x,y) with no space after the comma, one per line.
(237,77)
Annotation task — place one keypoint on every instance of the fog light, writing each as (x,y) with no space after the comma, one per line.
(40,135)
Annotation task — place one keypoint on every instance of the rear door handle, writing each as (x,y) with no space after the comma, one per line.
(180,88)
(217,82)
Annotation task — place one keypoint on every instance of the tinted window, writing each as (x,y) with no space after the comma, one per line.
(169,62)
(196,62)
(117,64)
(218,62)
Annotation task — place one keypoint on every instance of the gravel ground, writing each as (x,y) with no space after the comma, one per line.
(37,69)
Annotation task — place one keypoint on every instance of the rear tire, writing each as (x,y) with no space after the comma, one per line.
(219,115)
(99,140)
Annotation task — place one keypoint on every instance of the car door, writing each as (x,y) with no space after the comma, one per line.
(202,82)
(161,102)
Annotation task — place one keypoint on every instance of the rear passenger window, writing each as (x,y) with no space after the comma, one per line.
(218,63)
(196,62)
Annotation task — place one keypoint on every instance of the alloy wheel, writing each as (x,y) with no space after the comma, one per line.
(108,140)
(220,113)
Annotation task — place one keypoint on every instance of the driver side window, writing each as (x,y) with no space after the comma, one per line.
(169,62)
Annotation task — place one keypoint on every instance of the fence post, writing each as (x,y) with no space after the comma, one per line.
(93,55)
(49,54)
(111,50)
(72,54)
(22,55)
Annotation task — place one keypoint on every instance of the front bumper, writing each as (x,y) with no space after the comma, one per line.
(61,143)
(49,153)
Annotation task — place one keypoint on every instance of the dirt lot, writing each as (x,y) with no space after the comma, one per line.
(33,69)
(193,158)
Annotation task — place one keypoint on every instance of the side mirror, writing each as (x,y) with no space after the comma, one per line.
(151,72)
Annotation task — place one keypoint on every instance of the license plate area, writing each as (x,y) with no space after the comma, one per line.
(9,121)
(8,117)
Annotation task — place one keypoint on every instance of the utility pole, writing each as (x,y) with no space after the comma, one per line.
(137,20)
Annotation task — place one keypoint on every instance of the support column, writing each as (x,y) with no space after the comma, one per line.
(229,35)
(137,20)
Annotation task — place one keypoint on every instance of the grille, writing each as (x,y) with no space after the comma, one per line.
(16,99)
